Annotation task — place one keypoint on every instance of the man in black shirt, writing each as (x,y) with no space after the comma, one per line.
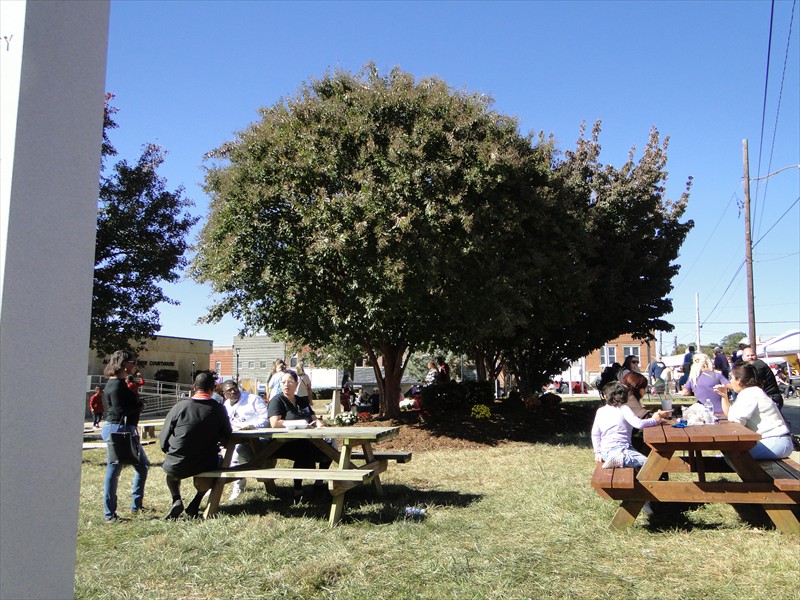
(764,374)
(190,440)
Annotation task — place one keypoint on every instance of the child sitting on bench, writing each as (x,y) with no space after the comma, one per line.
(612,428)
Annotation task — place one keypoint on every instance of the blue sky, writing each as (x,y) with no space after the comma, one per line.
(189,74)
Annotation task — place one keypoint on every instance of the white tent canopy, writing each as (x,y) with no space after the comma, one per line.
(787,342)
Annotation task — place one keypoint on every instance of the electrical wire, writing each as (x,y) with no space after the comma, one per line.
(777,112)
(756,202)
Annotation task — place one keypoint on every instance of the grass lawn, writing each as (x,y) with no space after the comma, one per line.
(519,520)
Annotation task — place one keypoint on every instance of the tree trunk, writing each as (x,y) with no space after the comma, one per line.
(389,380)
(480,365)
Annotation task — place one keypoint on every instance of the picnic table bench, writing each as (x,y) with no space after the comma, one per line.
(342,476)
(772,484)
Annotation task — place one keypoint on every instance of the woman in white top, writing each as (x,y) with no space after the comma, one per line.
(756,411)
(303,383)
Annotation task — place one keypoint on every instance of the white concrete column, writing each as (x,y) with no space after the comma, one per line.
(52,70)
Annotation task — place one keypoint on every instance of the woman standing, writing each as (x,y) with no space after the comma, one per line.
(287,406)
(702,381)
(123,405)
(758,412)
(303,384)
(274,385)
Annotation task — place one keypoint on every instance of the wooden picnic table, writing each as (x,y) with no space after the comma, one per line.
(775,485)
(343,474)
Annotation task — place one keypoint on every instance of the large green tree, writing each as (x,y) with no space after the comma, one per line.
(141,242)
(624,235)
(372,210)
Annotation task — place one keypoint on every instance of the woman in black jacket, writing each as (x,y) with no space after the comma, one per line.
(123,405)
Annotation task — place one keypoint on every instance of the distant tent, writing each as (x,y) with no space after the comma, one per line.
(784,344)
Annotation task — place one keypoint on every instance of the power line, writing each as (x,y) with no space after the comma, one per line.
(764,104)
(791,206)
(778,109)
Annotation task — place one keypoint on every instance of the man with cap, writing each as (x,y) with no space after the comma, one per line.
(721,363)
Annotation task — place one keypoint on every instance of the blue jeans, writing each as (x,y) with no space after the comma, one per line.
(772,448)
(112,477)
(630,457)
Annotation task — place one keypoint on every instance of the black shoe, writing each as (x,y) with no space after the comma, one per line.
(175,511)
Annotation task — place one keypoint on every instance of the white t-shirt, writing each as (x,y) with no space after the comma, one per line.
(756,411)
(303,382)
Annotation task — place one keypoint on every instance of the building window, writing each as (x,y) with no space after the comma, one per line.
(263,364)
(630,351)
(250,364)
(293,361)
(608,355)
(217,367)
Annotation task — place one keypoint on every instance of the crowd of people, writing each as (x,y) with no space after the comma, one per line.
(745,392)
(196,427)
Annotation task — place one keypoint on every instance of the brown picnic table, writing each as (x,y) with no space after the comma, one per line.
(772,484)
(352,444)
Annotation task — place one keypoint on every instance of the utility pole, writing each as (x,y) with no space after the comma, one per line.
(748,249)
(697,319)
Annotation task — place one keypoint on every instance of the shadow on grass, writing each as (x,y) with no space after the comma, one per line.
(360,505)
(674,516)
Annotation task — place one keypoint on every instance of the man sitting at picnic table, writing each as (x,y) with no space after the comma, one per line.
(190,439)
(245,411)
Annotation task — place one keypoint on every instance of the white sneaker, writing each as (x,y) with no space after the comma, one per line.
(615,462)
(235,493)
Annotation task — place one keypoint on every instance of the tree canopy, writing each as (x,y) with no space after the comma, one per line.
(141,241)
(386,213)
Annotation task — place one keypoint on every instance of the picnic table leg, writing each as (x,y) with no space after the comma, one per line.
(784,517)
(653,467)
(269,484)
(337,490)
(219,486)
(370,457)
(626,513)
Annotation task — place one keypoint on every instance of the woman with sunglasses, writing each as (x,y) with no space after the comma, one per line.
(631,365)
(123,405)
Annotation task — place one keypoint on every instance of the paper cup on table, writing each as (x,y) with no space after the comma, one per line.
(666,404)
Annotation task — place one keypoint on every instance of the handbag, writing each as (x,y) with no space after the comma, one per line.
(123,445)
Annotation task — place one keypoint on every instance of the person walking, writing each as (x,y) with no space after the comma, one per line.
(96,406)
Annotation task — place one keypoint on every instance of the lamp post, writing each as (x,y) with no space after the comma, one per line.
(237,365)
(192,371)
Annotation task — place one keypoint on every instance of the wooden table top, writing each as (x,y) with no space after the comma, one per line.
(723,435)
(374,434)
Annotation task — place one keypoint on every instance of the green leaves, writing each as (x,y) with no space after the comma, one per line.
(141,241)
(374,211)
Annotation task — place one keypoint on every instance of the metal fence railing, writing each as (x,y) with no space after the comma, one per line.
(158,396)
